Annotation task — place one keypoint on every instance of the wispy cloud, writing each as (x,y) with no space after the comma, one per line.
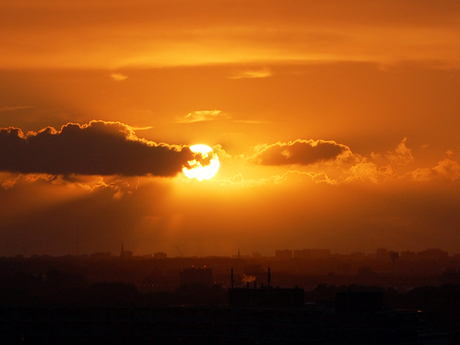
(203,115)
(128,36)
(290,177)
(118,76)
(254,73)
(141,128)
(16,108)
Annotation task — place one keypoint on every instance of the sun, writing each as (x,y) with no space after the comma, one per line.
(204,166)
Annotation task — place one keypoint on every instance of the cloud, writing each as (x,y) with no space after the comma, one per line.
(137,128)
(202,115)
(234,180)
(219,150)
(303,152)
(16,108)
(261,73)
(157,33)
(295,177)
(368,171)
(97,148)
(118,76)
(8,180)
(401,155)
(446,169)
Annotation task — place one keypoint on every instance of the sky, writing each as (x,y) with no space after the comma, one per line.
(336,124)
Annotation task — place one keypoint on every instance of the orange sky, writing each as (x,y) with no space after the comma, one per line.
(336,124)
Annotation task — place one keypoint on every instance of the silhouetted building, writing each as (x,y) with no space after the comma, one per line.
(194,275)
(285,254)
(239,256)
(125,254)
(433,254)
(382,254)
(362,302)
(160,255)
(408,255)
(306,254)
(266,297)
(101,256)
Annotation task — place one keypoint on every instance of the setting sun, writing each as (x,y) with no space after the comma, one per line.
(205,165)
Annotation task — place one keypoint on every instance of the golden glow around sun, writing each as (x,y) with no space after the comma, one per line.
(205,165)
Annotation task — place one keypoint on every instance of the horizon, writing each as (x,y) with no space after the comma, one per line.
(253,255)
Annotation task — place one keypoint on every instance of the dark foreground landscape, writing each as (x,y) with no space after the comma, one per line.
(78,300)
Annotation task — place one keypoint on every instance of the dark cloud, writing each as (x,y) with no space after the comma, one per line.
(301,152)
(97,148)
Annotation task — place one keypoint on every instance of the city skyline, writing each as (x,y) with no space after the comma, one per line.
(335,125)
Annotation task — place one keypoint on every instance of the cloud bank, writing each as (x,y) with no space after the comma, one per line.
(97,148)
(158,33)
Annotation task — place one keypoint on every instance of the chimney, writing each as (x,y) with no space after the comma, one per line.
(269,277)
(231,278)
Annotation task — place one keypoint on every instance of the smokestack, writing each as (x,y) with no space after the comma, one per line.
(231,278)
(269,277)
